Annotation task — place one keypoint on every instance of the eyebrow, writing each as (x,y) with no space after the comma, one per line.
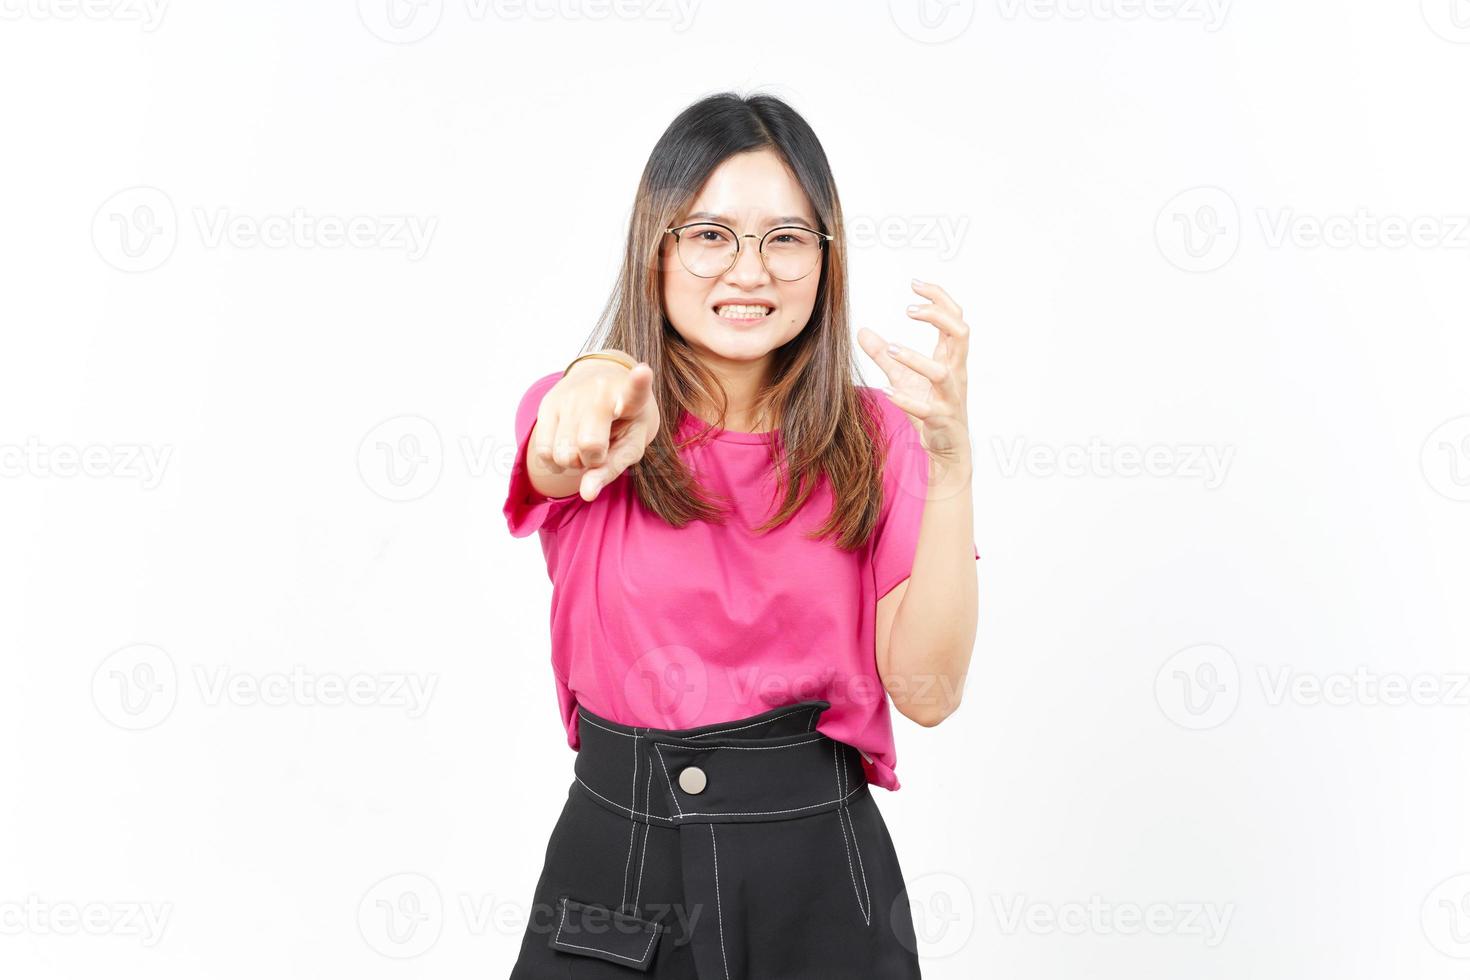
(787,219)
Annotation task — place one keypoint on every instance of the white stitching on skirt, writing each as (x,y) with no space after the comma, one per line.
(608,952)
(857,849)
(643,854)
(620,806)
(632,834)
(740,728)
(720,813)
(719,913)
(665,766)
(867,913)
(842,811)
(757,813)
(663,763)
(745,748)
(632,827)
(603,727)
(815,709)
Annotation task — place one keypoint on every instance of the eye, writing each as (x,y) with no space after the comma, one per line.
(785,238)
(710,236)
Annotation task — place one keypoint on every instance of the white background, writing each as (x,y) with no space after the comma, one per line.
(1124,200)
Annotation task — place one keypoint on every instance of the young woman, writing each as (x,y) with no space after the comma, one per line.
(750,557)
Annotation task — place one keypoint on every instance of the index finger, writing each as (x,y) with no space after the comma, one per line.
(595,424)
(636,391)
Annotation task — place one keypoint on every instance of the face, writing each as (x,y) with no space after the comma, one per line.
(750,192)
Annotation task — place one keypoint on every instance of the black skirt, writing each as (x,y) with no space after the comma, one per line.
(745,850)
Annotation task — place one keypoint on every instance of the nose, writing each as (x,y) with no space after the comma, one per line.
(749,268)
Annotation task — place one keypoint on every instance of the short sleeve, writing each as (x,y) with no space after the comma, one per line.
(525,509)
(905,488)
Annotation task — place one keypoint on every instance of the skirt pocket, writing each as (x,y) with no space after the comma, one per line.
(857,869)
(589,929)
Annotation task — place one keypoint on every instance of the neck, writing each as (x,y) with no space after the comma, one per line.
(741,382)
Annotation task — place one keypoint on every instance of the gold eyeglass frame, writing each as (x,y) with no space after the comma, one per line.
(822,239)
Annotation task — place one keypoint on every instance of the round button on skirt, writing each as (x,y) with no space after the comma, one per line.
(750,849)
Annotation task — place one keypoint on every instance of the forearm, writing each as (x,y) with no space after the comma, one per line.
(932,636)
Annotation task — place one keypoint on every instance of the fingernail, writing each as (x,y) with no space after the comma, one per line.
(913,309)
(893,349)
(918,282)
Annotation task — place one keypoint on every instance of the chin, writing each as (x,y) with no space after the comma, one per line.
(738,348)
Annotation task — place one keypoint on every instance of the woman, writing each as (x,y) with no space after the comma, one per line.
(750,555)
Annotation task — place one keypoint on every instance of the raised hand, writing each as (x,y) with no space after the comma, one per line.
(932,390)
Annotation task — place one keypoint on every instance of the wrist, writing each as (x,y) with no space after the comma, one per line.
(950,475)
(606,354)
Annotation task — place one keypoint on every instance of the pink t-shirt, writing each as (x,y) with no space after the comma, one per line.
(675,628)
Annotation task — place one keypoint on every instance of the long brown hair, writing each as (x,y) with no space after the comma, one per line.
(825,425)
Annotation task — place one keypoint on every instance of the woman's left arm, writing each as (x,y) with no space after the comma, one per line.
(925,627)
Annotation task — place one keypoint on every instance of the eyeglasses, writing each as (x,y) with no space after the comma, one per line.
(708,249)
